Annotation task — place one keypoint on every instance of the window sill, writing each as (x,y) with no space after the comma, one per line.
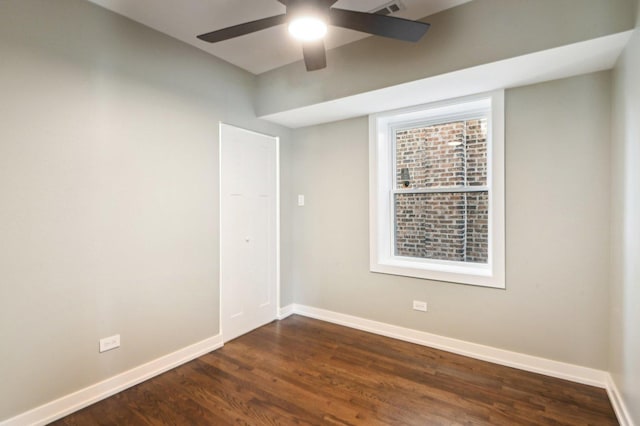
(453,272)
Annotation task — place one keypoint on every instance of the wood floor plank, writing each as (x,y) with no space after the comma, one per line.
(301,371)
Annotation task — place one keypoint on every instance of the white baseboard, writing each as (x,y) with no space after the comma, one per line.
(73,402)
(624,418)
(574,373)
(285,311)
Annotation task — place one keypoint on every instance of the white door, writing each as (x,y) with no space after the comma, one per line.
(248,230)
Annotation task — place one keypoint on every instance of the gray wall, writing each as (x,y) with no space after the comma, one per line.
(625,231)
(108,194)
(557,200)
(475,33)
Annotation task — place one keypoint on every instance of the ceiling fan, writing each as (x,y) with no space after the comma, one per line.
(308,19)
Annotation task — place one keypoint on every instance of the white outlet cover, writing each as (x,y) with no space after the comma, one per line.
(300,200)
(109,343)
(419,305)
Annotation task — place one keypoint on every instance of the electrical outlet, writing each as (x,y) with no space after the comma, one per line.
(419,305)
(109,343)
(300,200)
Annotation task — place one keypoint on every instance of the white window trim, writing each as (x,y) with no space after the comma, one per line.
(381,157)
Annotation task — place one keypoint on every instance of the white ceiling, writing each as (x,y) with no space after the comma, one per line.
(257,52)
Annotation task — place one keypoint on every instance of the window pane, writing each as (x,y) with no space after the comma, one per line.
(477,232)
(476,152)
(441,155)
(443,226)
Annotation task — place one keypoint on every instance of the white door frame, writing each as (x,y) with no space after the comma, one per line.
(277,230)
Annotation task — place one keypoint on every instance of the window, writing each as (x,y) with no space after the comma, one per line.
(437,191)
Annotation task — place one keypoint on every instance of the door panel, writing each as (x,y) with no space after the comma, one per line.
(261,223)
(248,230)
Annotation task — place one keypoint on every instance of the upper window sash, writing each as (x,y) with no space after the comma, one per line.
(476,111)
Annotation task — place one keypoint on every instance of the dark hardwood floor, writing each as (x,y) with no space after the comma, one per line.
(304,371)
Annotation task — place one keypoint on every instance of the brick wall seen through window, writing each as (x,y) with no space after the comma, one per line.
(430,222)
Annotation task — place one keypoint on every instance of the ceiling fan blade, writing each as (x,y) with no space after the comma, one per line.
(242,29)
(315,56)
(381,25)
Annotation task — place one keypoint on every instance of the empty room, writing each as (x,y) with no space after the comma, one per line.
(341,212)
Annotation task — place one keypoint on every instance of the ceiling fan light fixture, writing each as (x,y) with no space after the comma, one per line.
(307,28)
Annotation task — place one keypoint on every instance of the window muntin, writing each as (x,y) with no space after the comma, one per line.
(414,210)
